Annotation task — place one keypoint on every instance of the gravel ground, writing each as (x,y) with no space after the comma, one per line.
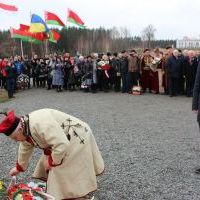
(150,143)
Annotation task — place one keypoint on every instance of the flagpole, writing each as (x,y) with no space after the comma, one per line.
(22,50)
(31,40)
(31,48)
(46,46)
(12,46)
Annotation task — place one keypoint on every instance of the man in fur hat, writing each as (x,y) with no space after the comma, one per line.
(71,158)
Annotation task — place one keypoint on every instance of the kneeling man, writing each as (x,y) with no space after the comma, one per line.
(71,158)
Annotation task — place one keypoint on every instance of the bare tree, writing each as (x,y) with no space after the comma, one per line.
(148,34)
(115,33)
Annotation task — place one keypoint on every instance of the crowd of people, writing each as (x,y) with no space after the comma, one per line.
(169,71)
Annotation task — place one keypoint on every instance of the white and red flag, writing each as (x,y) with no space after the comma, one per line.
(8,7)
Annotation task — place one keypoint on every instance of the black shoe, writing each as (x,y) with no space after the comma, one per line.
(197,171)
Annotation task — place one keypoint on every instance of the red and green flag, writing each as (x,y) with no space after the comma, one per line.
(41,36)
(25,35)
(54,36)
(53,19)
(8,7)
(75,19)
(24,27)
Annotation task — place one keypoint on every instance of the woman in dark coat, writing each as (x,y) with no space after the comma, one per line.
(71,76)
(67,66)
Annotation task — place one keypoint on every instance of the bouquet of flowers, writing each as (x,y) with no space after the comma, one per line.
(104,65)
(22,191)
(155,63)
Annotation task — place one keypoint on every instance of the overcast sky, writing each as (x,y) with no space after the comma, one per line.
(172,19)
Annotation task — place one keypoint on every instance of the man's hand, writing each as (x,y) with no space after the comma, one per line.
(46,165)
(14,171)
(195,111)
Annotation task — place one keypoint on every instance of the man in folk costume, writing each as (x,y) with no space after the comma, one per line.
(146,61)
(157,71)
(71,158)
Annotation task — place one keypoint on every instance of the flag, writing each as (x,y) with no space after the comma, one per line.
(53,19)
(24,27)
(26,36)
(38,24)
(15,33)
(8,7)
(38,36)
(54,36)
(75,19)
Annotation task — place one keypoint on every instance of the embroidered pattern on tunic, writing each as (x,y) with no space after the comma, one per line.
(67,125)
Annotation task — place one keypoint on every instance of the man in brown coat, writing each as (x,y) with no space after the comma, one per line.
(133,69)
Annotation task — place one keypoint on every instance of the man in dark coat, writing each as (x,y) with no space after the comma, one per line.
(28,69)
(34,65)
(190,68)
(182,77)
(10,78)
(124,71)
(116,65)
(167,55)
(196,100)
(174,71)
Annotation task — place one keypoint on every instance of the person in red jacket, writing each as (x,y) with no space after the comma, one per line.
(3,63)
(1,74)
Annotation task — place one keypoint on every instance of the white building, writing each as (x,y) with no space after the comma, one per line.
(188,43)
